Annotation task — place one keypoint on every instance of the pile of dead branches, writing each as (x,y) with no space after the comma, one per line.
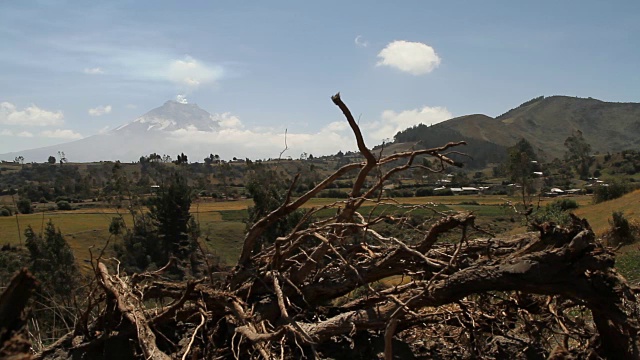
(345,287)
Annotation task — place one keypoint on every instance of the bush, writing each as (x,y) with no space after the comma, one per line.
(621,231)
(63,205)
(552,213)
(400,193)
(566,204)
(613,191)
(424,192)
(5,212)
(24,206)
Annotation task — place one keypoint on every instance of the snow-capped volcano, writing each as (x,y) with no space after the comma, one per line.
(171,116)
(161,130)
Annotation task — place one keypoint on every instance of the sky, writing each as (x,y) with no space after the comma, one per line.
(72,69)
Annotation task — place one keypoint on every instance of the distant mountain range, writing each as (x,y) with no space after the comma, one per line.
(544,121)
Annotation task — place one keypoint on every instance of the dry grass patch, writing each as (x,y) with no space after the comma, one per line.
(598,215)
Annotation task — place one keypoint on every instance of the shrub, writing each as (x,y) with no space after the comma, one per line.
(5,212)
(613,191)
(554,213)
(63,205)
(621,231)
(424,192)
(566,204)
(401,193)
(24,206)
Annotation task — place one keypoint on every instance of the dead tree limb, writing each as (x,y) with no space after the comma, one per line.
(13,300)
(129,306)
(438,284)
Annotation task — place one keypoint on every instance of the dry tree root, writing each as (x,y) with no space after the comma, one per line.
(13,338)
(315,293)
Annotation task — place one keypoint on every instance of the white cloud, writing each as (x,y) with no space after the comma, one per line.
(413,57)
(93,71)
(60,134)
(233,139)
(360,41)
(100,110)
(192,72)
(7,132)
(228,121)
(145,64)
(391,122)
(182,99)
(337,126)
(29,116)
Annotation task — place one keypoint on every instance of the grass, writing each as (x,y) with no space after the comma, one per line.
(69,223)
(484,210)
(234,215)
(85,221)
(598,215)
(224,240)
(628,264)
(223,226)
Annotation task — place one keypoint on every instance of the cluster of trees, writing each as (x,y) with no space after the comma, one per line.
(524,165)
(181,159)
(50,259)
(167,230)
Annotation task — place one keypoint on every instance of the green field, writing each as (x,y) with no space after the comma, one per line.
(82,223)
(223,223)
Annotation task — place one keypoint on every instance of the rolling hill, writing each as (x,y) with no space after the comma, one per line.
(545,122)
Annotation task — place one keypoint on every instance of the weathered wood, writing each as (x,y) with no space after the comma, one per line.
(131,308)
(315,289)
(13,300)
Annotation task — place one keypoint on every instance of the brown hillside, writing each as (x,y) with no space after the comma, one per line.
(547,122)
(598,215)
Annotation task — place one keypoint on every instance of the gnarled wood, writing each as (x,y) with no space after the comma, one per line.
(317,290)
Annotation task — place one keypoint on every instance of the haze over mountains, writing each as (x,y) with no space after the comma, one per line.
(177,127)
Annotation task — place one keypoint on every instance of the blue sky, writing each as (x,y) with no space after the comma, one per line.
(71,69)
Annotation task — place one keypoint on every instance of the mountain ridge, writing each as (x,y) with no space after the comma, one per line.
(544,121)
(166,118)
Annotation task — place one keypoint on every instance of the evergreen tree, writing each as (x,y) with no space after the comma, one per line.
(52,262)
(52,259)
(167,230)
(268,192)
